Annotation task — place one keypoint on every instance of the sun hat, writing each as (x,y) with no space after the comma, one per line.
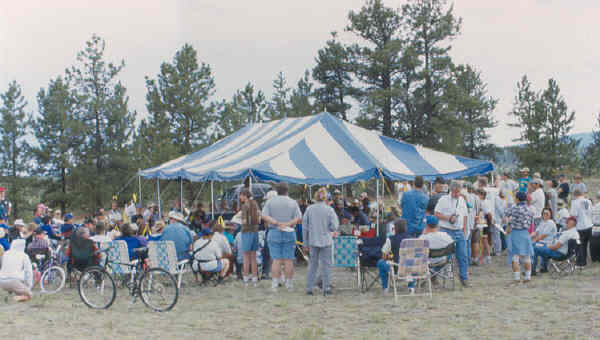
(176,216)
(19,222)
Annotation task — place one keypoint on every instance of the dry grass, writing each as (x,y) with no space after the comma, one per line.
(568,308)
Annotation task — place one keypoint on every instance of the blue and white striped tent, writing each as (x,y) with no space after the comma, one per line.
(318,149)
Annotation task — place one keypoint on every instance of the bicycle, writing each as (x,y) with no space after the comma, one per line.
(53,276)
(152,285)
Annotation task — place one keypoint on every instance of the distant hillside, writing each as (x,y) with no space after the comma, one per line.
(506,158)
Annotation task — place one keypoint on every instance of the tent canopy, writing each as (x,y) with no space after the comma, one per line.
(319,149)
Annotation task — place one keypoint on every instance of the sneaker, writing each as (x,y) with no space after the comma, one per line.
(309,293)
(289,285)
(386,291)
(466,283)
(411,291)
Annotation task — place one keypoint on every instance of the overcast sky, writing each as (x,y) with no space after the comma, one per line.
(253,40)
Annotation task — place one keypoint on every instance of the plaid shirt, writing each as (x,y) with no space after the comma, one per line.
(520,217)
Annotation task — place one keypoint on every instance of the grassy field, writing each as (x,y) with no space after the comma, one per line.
(566,308)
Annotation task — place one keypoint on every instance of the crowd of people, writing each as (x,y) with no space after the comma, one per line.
(528,219)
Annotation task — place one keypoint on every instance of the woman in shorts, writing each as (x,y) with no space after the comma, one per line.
(250,222)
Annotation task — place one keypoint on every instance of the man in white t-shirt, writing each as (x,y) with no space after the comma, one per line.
(596,211)
(581,208)
(451,211)
(208,256)
(559,247)
(538,200)
(437,239)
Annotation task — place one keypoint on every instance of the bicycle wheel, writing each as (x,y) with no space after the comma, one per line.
(53,280)
(158,289)
(97,288)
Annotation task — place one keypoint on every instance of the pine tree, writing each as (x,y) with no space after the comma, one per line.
(14,124)
(333,73)
(301,100)
(247,106)
(109,124)
(60,134)
(591,159)
(181,95)
(279,106)
(469,111)
(430,26)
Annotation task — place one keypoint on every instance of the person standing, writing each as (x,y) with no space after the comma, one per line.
(451,211)
(438,192)
(249,238)
(507,184)
(581,208)
(520,248)
(524,180)
(5,205)
(563,188)
(282,214)
(538,200)
(552,186)
(413,204)
(319,224)
(579,185)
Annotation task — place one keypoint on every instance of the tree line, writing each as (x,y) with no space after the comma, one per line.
(397,78)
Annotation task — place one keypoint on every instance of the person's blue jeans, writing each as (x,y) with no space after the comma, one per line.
(545,253)
(384,271)
(461,252)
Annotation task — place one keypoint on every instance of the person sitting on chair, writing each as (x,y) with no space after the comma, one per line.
(207,256)
(129,236)
(39,245)
(16,275)
(82,251)
(559,248)
(391,246)
(437,239)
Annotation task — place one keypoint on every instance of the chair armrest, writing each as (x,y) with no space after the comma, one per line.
(182,262)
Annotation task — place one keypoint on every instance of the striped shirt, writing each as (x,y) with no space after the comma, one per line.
(520,217)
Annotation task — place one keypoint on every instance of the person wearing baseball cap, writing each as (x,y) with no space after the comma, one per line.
(207,256)
(67,228)
(524,180)
(437,239)
(559,248)
(438,188)
(17,231)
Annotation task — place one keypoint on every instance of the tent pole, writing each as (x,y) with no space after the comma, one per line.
(159,204)
(140,184)
(309,193)
(382,199)
(212,200)
(377,199)
(181,194)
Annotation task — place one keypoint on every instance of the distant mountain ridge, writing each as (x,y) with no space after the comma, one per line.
(506,158)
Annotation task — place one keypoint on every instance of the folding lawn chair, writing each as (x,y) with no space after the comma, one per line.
(370,253)
(443,269)
(413,264)
(565,265)
(117,257)
(163,254)
(345,255)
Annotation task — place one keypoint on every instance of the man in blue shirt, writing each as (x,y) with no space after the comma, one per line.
(524,180)
(67,228)
(3,222)
(413,204)
(178,233)
(48,228)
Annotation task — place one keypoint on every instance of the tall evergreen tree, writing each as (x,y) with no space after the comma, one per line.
(430,26)
(301,100)
(182,94)
(246,106)
(109,123)
(333,73)
(14,124)
(591,157)
(280,101)
(60,135)
(545,123)
(469,113)
(376,61)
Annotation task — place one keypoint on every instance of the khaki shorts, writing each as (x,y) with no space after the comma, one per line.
(475,235)
(15,286)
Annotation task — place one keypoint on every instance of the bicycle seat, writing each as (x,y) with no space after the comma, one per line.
(40,256)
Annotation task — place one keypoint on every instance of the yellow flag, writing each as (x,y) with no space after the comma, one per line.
(134,198)
(220,221)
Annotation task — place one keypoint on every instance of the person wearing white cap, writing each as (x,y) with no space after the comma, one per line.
(581,208)
(538,200)
(17,231)
(177,232)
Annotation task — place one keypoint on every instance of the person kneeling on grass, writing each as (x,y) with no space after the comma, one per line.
(208,257)
(16,274)
(559,248)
